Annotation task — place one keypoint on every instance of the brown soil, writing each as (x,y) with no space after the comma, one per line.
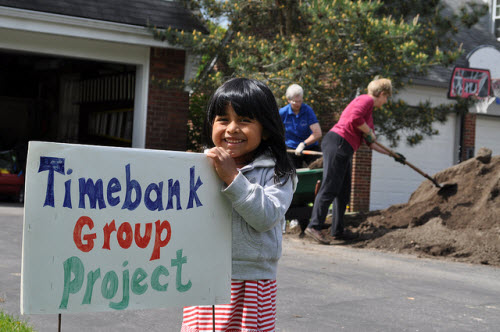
(460,222)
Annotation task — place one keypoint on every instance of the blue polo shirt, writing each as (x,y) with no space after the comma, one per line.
(297,126)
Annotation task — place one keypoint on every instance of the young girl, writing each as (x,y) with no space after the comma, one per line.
(251,159)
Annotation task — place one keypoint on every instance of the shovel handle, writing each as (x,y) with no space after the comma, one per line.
(394,155)
(309,152)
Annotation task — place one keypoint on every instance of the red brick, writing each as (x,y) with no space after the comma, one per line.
(468,136)
(166,126)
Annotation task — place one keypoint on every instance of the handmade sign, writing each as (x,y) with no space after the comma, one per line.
(110,228)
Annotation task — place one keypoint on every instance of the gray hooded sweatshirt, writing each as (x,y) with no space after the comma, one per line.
(259,207)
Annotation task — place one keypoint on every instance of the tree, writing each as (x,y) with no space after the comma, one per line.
(333,49)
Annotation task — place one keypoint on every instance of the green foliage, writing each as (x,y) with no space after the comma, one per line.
(333,49)
(11,324)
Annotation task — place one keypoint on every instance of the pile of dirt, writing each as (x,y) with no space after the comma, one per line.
(460,222)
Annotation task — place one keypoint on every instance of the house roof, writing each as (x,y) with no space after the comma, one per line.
(159,13)
(470,39)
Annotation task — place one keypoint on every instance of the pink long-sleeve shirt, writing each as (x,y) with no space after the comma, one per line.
(358,111)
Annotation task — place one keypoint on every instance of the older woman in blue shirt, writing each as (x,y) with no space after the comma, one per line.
(302,130)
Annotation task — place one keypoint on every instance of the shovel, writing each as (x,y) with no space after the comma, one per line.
(442,187)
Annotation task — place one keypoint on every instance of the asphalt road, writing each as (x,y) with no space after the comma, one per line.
(320,288)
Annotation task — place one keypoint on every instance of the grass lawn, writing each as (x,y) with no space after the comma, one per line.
(11,324)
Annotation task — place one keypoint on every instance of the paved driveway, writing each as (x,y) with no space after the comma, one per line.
(320,288)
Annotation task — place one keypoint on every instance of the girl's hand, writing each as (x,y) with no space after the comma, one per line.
(224,164)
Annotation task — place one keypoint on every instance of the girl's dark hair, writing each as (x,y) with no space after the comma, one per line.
(252,98)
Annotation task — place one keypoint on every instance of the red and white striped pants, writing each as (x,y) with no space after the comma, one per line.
(252,309)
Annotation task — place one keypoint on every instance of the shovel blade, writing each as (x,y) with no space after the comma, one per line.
(447,189)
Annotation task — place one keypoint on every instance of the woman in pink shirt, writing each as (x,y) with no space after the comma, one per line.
(338,146)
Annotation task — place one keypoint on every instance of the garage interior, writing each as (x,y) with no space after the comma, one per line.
(66,100)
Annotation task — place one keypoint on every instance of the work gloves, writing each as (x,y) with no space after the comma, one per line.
(300,148)
(399,158)
(369,137)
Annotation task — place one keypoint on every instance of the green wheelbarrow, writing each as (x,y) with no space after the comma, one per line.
(303,198)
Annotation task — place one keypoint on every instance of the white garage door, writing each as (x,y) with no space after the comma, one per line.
(393,183)
(488,133)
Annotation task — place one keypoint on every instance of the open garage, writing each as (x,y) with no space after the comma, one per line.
(63,99)
(86,74)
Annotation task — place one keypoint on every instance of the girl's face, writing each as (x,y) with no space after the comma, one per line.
(240,136)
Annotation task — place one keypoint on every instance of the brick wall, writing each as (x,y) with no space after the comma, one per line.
(361,179)
(166,126)
(468,136)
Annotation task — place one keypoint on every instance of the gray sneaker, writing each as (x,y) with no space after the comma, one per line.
(316,235)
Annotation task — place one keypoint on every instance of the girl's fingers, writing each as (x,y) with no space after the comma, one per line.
(213,153)
(224,164)
(218,153)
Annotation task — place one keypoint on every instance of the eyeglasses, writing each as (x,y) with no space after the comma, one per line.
(295,101)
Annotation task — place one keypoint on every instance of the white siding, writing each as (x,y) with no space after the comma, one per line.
(488,133)
(393,183)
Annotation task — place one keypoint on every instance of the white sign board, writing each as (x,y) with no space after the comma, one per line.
(118,228)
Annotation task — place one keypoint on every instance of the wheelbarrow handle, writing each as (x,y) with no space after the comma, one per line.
(308,152)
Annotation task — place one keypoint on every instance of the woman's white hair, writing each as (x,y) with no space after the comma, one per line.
(294,90)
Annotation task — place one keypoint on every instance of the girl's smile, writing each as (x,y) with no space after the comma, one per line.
(239,135)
